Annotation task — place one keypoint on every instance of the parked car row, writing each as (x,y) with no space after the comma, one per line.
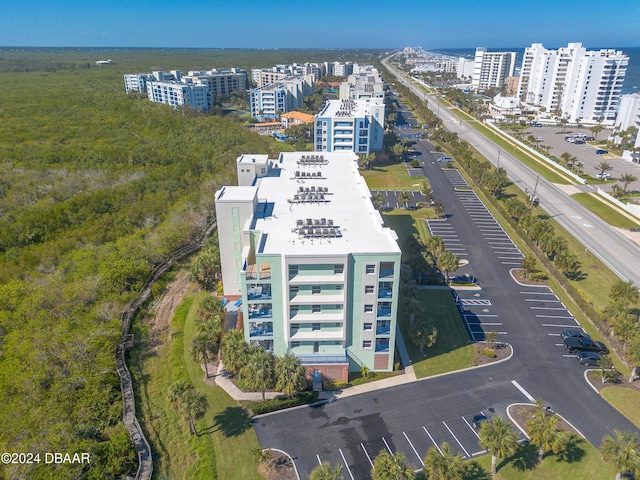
(586,349)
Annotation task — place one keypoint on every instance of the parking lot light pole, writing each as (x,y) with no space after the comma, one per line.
(498,166)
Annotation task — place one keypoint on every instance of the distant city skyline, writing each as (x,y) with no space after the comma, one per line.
(329,24)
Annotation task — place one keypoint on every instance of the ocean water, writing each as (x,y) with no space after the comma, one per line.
(631,81)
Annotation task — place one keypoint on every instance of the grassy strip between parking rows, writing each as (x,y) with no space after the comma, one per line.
(452,350)
(392,177)
(583,461)
(604,211)
(222,447)
(625,400)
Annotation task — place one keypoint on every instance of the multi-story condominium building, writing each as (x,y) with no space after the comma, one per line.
(491,68)
(465,68)
(365,84)
(318,273)
(340,69)
(629,114)
(277,98)
(137,82)
(176,94)
(356,125)
(266,76)
(217,83)
(574,83)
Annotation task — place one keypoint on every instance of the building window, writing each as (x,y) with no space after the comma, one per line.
(367,327)
(295,325)
(370,269)
(293,289)
(338,269)
(293,270)
(315,308)
(366,344)
(368,308)
(315,290)
(295,344)
(368,289)
(315,327)
(338,287)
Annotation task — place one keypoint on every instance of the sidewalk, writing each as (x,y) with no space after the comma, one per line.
(407,377)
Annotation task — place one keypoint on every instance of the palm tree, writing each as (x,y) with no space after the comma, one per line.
(258,372)
(326,472)
(498,436)
(622,451)
(185,399)
(378,201)
(624,292)
(595,129)
(404,197)
(203,348)
(444,466)
(423,333)
(447,263)
(387,466)
(544,432)
(626,179)
(603,167)
(235,351)
(291,376)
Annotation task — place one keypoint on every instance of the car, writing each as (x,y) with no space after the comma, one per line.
(577,344)
(588,358)
(539,139)
(444,158)
(603,176)
(574,333)
(580,135)
(601,151)
(570,139)
(579,141)
(589,139)
(478,420)
(536,124)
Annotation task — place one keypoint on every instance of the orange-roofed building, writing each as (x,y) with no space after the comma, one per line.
(295,118)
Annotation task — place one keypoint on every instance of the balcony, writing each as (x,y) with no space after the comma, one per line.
(386,273)
(260,311)
(383,312)
(252,272)
(383,329)
(382,346)
(311,299)
(258,292)
(385,293)
(260,329)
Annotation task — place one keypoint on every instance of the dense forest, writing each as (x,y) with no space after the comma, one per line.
(96,187)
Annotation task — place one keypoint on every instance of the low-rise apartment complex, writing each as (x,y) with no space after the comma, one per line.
(318,273)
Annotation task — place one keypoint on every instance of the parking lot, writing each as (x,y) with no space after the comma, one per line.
(391,198)
(585,153)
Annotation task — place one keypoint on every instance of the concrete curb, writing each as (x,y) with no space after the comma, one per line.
(295,469)
(524,284)
(586,378)
(533,405)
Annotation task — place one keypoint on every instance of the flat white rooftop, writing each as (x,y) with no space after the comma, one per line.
(352,108)
(319,208)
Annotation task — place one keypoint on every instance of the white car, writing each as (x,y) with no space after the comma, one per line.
(539,139)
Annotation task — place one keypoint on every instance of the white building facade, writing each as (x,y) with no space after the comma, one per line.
(277,98)
(579,85)
(490,69)
(355,125)
(176,94)
(318,273)
(629,114)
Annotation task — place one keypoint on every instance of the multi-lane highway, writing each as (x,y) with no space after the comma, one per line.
(619,253)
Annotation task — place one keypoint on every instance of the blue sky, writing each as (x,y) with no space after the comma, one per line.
(324,24)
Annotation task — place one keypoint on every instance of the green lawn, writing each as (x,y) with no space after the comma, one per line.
(625,400)
(222,449)
(392,177)
(604,211)
(452,350)
(583,461)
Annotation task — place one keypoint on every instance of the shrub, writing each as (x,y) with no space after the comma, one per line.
(276,404)
(489,352)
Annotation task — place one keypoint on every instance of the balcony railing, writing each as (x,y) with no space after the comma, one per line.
(384,312)
(385,293)
(258,293)
(383,330)
(318,359)
(261,330)
(386,273)
(382,347)
(260,313)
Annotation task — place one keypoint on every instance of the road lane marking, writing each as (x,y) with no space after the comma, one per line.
(523,391)
(434,442)
(413,448)
(346,464)
(456,439)
(367,454)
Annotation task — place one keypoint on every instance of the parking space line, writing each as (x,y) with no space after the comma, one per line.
(478,315)
(523,391)
(511,263)
(456,439)
(538,293)
(434,442)
(472,429)
(548,308)
(545,301)
(346,464)
(387,445)
(318,457)
(413,448)
(559,326)
(553,316)
(367,454)
(485,323)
